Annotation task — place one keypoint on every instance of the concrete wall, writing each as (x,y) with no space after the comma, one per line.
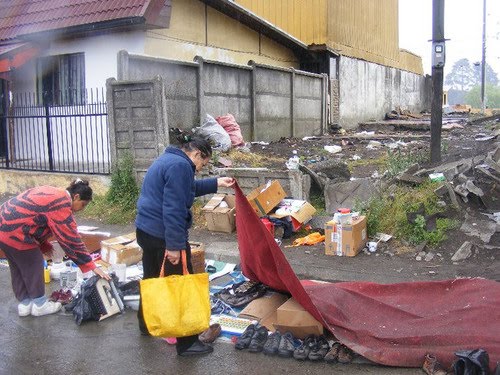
(368,91)
(267,102)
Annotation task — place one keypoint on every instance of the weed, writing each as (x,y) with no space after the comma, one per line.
(397,161)
(388,214)
(253,160)
(118,205)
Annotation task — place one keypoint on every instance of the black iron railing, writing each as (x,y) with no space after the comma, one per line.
(41,137)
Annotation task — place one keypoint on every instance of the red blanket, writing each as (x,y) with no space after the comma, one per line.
(393,324)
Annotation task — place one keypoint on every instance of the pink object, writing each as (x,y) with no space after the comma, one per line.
(228,122)
(170,340)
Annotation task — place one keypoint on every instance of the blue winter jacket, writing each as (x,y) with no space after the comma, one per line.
(167,194)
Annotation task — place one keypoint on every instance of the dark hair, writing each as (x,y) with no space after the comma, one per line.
(82,188)
(195,142)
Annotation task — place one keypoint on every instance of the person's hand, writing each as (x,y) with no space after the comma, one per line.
(225,181)
(101,274)
(173,256)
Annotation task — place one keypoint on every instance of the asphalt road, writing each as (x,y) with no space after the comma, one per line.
(56,345)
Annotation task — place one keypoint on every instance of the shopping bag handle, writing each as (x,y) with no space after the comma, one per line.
(183,260)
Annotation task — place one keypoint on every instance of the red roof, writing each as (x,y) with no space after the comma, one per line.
(22,17)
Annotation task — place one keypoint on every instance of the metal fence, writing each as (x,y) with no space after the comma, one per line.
(55,138)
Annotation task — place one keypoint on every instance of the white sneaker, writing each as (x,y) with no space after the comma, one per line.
(24,310)
(47,308)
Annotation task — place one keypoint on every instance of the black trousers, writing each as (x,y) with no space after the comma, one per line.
(153,252)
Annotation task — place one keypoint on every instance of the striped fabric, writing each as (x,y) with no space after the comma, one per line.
(28,220)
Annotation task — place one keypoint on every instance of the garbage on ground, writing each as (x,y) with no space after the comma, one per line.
(372,246)
(228,122)
(311,239)
(264,198)
(333,149)
(299,211)
(383,237)
(220,213)
(345,240)
(437,177)
(215,133)
(373,145)
(293,163)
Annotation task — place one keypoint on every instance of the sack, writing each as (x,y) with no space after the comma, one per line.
(176,305)
(212,131)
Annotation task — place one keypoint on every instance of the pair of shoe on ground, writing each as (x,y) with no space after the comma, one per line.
(47,308)
(256,339)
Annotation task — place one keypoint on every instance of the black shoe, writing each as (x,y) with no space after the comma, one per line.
(302,352)
(197,348)
(244,340)
(287,345)
(259,338)
(272,344)
(319,349)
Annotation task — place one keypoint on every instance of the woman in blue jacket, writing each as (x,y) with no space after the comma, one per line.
(164,216)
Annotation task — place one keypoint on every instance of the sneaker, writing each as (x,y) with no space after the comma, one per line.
(272,344)
(319,349)
(287,345)
(47,308)
(258,340)
(333,354)
(302,352)
(244,340)
(24,310)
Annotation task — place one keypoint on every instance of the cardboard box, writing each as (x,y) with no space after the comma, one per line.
(292,317)
(300,211)
(121,249)
(221,219)
(345,240)
(266,197)
(263,309)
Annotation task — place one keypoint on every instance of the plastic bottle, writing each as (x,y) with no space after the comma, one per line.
(46,272)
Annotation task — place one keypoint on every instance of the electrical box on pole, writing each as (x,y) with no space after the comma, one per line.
(438,54)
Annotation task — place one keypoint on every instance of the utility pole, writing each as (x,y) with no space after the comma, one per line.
(438,60)
(483,61)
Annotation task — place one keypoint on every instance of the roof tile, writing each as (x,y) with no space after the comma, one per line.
(21,17)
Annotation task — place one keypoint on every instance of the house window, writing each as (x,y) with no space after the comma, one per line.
(61,79)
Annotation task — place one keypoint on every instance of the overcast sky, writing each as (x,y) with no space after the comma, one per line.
(463,23)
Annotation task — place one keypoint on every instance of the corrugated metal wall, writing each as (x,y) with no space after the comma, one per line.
(304,19)
(364,29)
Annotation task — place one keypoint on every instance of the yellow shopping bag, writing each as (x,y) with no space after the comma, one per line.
(177,305)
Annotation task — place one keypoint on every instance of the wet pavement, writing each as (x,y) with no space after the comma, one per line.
(54,344)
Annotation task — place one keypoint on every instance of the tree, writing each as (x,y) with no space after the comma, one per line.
(492,96)
(464,75)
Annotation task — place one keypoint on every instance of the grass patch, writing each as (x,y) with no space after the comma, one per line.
(253,160)
(118,205)
(388,214)
(397,161)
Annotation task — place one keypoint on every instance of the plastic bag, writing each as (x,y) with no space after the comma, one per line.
(228,122)
(215,133)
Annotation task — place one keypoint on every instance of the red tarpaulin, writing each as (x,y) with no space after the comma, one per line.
(391,324)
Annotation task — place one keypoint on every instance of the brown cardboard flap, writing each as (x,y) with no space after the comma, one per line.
(302,215)
(261,307)
(214,202)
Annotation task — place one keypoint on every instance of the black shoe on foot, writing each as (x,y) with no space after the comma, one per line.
(259,338)
(198,348)
(244,340)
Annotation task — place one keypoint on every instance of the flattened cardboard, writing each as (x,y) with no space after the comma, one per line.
(345,240)
(264,198)
(221,219)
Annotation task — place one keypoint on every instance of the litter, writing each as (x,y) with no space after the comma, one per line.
(333,149)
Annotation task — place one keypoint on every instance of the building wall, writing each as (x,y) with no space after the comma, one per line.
(198,30)
(364,29)
(368,91)
(100,58)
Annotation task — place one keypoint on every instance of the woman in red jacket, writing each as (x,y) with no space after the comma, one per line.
(26,223)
